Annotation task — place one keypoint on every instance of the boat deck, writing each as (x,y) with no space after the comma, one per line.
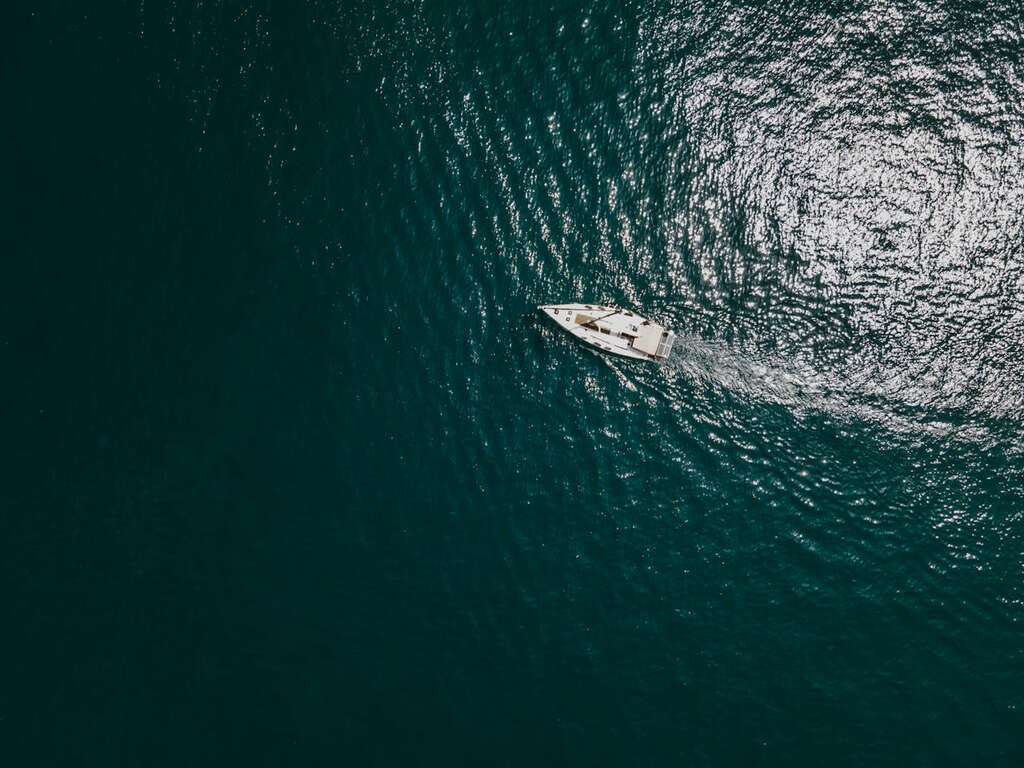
(613,330)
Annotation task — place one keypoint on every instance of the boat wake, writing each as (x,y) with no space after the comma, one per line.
(844,394)
(766,379)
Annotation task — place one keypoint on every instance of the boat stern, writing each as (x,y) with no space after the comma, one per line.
(665,348)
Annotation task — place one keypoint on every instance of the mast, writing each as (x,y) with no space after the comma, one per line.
(602,317)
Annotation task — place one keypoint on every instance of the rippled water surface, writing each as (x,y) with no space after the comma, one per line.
(302,478)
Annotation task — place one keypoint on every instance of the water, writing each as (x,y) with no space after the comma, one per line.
(298,477)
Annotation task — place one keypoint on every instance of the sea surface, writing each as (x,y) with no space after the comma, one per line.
(296,475)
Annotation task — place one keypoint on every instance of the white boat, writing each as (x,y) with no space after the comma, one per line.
(613,330)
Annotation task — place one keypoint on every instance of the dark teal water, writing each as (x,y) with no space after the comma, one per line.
(295,476)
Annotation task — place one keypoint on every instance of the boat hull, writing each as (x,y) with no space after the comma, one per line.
(612,330)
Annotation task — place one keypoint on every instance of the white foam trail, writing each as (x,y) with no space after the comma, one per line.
(796,385)
(765,379)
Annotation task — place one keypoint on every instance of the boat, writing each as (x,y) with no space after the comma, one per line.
(613,330)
